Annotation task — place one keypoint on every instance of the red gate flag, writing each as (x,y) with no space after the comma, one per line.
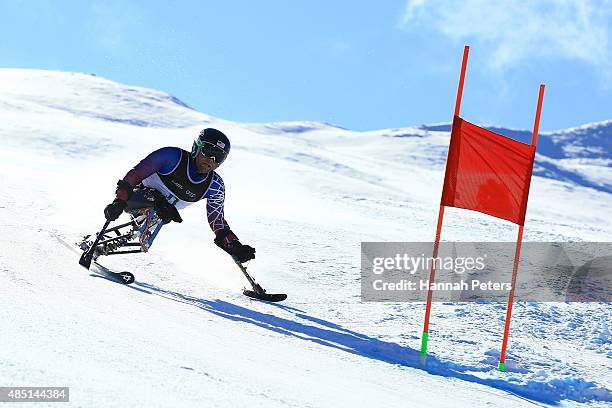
(487,172)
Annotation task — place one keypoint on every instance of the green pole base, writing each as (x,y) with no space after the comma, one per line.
(502,367)
(424,344)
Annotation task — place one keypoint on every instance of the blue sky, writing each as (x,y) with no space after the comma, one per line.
(362,65)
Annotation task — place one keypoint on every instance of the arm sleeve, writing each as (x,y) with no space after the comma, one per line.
(214,205)
(163,159)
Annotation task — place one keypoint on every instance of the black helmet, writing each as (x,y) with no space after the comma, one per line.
(213,143)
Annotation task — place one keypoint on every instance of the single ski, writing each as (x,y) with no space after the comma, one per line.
(120,277)
(124,277)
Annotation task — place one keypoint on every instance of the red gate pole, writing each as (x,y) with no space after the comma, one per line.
(466,51)
(432,277)
(517,253)
(536,125)
(432,273)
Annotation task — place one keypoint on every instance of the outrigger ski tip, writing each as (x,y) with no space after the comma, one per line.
(258,292)
(85,260)
(268,297)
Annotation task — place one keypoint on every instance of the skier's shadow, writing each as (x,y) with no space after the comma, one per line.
(335,336)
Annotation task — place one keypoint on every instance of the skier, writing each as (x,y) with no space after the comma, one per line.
(184,178)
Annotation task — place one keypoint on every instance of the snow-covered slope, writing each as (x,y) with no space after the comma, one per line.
(305,195)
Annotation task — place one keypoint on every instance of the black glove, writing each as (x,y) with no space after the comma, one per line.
(241,253)
(114,209)
(166,211)
(228,241)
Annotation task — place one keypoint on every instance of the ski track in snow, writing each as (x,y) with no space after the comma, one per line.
(306,195)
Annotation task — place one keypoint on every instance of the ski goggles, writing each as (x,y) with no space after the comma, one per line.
(211,151)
